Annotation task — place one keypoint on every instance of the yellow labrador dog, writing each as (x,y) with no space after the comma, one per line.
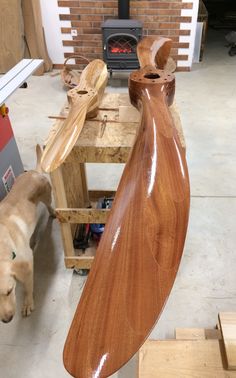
(17,223)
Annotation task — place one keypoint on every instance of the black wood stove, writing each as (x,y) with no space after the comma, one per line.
(120,38)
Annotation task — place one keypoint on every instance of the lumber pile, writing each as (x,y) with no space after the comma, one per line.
(195,352)
(22,34)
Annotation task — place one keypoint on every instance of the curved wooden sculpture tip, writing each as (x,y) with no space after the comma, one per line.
(139,253)
(154,51)
(84,101)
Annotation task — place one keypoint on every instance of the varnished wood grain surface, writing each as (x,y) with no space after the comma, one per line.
(84,100)
(154,51)
(140,250)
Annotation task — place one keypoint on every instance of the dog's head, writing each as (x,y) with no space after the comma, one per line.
(7,292)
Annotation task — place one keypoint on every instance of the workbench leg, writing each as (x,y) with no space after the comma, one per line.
(61,201)
(84,185)
(75,183)
(74,177)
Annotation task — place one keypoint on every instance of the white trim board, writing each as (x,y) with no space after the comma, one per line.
(52,28)
(191,38)
(14,78)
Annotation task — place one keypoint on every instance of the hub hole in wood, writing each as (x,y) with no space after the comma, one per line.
(82,92)
(152,76)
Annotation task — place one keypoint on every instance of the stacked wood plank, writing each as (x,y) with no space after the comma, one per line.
(11,34)
(195,352)
(227,322)
(21,34)
(34,33)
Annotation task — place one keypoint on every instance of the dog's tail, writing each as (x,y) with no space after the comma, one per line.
(39,157)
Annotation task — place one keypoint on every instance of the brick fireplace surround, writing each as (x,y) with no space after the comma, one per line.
(158,17)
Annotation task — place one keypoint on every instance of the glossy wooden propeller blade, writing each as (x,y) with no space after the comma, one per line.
(139,253)
(154,51)
(84,100)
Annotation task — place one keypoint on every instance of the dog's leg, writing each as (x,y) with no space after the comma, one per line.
(28,305)
(23,271)
(46,198)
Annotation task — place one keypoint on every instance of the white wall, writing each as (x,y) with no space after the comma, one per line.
(188,38)
(52,26)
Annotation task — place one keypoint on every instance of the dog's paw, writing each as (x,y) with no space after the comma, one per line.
(27,309)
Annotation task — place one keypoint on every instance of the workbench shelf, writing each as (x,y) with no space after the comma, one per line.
(106,139)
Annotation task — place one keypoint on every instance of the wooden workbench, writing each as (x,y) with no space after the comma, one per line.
(99,142)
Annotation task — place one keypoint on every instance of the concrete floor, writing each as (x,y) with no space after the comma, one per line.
(206,281)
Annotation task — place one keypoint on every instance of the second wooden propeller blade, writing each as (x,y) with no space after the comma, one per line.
(83,99)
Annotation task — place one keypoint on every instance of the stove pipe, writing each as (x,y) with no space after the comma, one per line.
(123,9)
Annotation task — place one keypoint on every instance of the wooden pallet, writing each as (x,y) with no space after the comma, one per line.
(195,352)
(99,142)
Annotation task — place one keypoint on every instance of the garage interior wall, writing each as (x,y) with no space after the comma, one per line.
(174,19)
